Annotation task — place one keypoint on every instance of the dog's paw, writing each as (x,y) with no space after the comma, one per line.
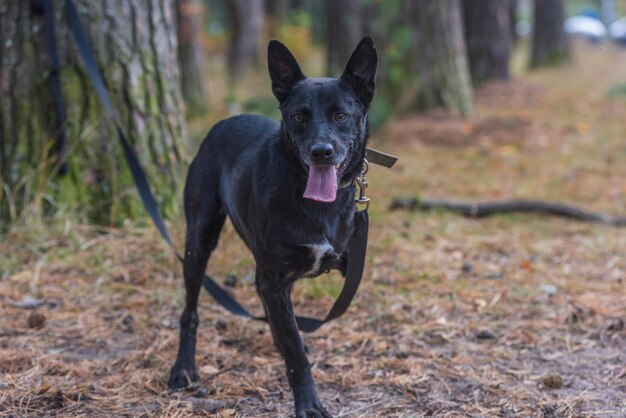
(313,410)
(182,378)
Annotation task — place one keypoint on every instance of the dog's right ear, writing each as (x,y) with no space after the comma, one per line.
(283,68)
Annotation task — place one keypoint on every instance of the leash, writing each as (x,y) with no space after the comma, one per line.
(356,246)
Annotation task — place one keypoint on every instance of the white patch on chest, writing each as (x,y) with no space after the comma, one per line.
(317,252)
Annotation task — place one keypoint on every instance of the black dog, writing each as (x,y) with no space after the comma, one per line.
(289,191)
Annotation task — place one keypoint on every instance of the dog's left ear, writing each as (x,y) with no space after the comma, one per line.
(360,72)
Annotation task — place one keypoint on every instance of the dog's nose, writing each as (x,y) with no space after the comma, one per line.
(322,152)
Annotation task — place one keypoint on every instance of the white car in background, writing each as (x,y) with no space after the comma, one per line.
(617,30)
(588,27)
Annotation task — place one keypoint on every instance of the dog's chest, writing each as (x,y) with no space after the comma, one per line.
(318,253)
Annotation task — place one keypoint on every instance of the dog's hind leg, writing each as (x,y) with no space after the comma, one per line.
(203,229)
(277,302)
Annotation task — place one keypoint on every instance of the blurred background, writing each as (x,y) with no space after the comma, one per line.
(511,315)
(174,68)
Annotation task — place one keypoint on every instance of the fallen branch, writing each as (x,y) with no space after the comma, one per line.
(482,209)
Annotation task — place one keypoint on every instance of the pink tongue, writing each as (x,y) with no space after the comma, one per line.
(322,184)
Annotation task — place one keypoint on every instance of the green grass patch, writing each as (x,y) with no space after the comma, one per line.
(617,91)
(324,286)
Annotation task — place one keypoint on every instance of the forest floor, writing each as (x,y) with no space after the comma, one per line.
(512,316)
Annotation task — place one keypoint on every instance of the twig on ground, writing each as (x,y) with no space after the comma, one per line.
(483,209)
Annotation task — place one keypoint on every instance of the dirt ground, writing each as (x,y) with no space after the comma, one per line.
(511,316)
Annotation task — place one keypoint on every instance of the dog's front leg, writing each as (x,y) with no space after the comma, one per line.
(277,301)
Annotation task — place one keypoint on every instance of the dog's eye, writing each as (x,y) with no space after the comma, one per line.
(298,118)
(340,117)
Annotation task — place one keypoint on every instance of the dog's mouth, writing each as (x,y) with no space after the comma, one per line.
(323,180)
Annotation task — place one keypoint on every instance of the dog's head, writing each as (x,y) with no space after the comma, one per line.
(325,118)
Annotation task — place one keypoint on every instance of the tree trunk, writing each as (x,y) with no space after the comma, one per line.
(134,43)
(276,11)
(440,55)
(191,58)
(247,18)
(317,10)
(550,45)
(343,32)
(513,13)
(488,37)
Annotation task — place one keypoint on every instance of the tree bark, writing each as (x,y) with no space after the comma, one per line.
(191,57)
(550,46)
(247,18)
(440,55)
(488,37)
(134,44)
(343,32)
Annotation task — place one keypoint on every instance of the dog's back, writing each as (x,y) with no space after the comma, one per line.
(226,142)
(227,150)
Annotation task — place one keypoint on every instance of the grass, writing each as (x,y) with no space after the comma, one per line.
(453,318)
